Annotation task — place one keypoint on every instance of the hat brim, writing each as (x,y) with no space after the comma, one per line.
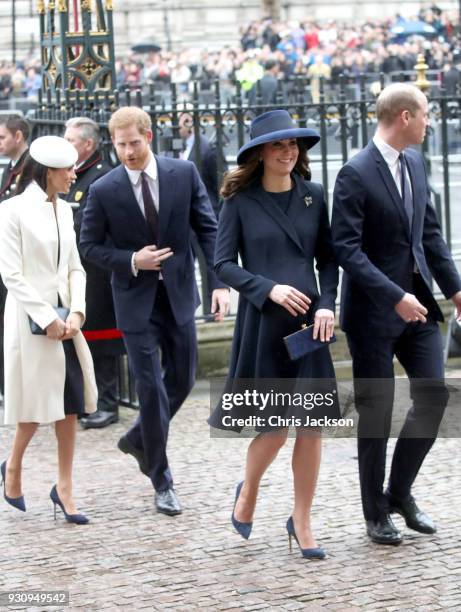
(309,137)
(53,152)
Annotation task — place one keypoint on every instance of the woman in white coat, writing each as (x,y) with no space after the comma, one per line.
(48,378)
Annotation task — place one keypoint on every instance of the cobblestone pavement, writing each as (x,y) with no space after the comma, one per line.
(129,557)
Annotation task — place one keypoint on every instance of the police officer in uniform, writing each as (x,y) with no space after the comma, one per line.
(104,339)
(14,132)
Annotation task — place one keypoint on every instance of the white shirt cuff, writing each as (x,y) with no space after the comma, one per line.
(134,269)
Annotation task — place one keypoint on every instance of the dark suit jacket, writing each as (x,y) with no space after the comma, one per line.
(209,169)
(373,244)
(113,212)
(10,176)
(93,169)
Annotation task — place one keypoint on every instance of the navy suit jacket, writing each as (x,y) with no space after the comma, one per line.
(373,243)
(209,170)
(113,228)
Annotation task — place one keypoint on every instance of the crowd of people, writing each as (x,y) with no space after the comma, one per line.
(21,80)
(310,48)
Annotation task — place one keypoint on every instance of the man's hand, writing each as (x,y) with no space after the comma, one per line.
(324,322)
(290,298)
(410,309)
(456,299)
(73,324)
(56,329)
(151,258)
(220,300)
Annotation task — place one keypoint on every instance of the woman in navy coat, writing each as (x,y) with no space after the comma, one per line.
(277,221)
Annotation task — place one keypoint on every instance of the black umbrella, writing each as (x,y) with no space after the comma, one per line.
(146,47)
(411,28)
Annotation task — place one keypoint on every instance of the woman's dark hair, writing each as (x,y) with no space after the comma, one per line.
(251,170)
(31,171)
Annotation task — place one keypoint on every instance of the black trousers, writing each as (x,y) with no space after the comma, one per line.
(163,360)
(420,352)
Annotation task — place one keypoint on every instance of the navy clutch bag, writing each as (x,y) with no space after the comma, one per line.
(302,342)
(62,313)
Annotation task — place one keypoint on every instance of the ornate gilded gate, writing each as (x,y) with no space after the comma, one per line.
(77,45)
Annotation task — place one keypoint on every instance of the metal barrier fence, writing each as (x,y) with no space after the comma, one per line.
(344,124)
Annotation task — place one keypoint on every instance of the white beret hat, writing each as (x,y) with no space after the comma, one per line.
(53,152)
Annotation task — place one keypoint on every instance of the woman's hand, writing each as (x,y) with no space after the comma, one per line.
(73,324)
(324,322)
(56,330)
(290,298)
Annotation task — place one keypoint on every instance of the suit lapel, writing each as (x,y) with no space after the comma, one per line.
(274,211)
(389,182)
(167,189)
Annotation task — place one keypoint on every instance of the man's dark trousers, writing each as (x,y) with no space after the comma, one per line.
(163,359)
(419,350)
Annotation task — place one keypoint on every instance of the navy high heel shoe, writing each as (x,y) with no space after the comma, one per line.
(16,502)
(244,529)
(307,553)
(78,519)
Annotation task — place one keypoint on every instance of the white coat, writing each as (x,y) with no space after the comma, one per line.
(35,365)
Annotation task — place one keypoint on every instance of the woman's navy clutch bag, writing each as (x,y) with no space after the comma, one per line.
(62,313)
(302,342)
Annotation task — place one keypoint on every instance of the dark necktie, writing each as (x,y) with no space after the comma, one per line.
(149,207)
(405,186)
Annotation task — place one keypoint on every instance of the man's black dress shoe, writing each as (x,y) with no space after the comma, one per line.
(414,517)
(99,419)
(167,502)
(127,447)
(383,531)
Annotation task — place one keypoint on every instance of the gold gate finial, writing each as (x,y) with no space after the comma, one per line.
(421,67)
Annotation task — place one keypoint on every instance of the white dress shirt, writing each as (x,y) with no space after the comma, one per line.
(391,157)
(136,183)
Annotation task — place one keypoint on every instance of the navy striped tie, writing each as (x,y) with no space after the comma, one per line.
(405,186)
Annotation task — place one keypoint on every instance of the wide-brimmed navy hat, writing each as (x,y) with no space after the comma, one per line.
(276,125)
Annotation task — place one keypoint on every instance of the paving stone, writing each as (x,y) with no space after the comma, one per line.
(131,558)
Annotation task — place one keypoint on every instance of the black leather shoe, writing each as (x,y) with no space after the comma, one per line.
(167,502)
(99,419)
(127,447)
(414,517)
(383,531)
